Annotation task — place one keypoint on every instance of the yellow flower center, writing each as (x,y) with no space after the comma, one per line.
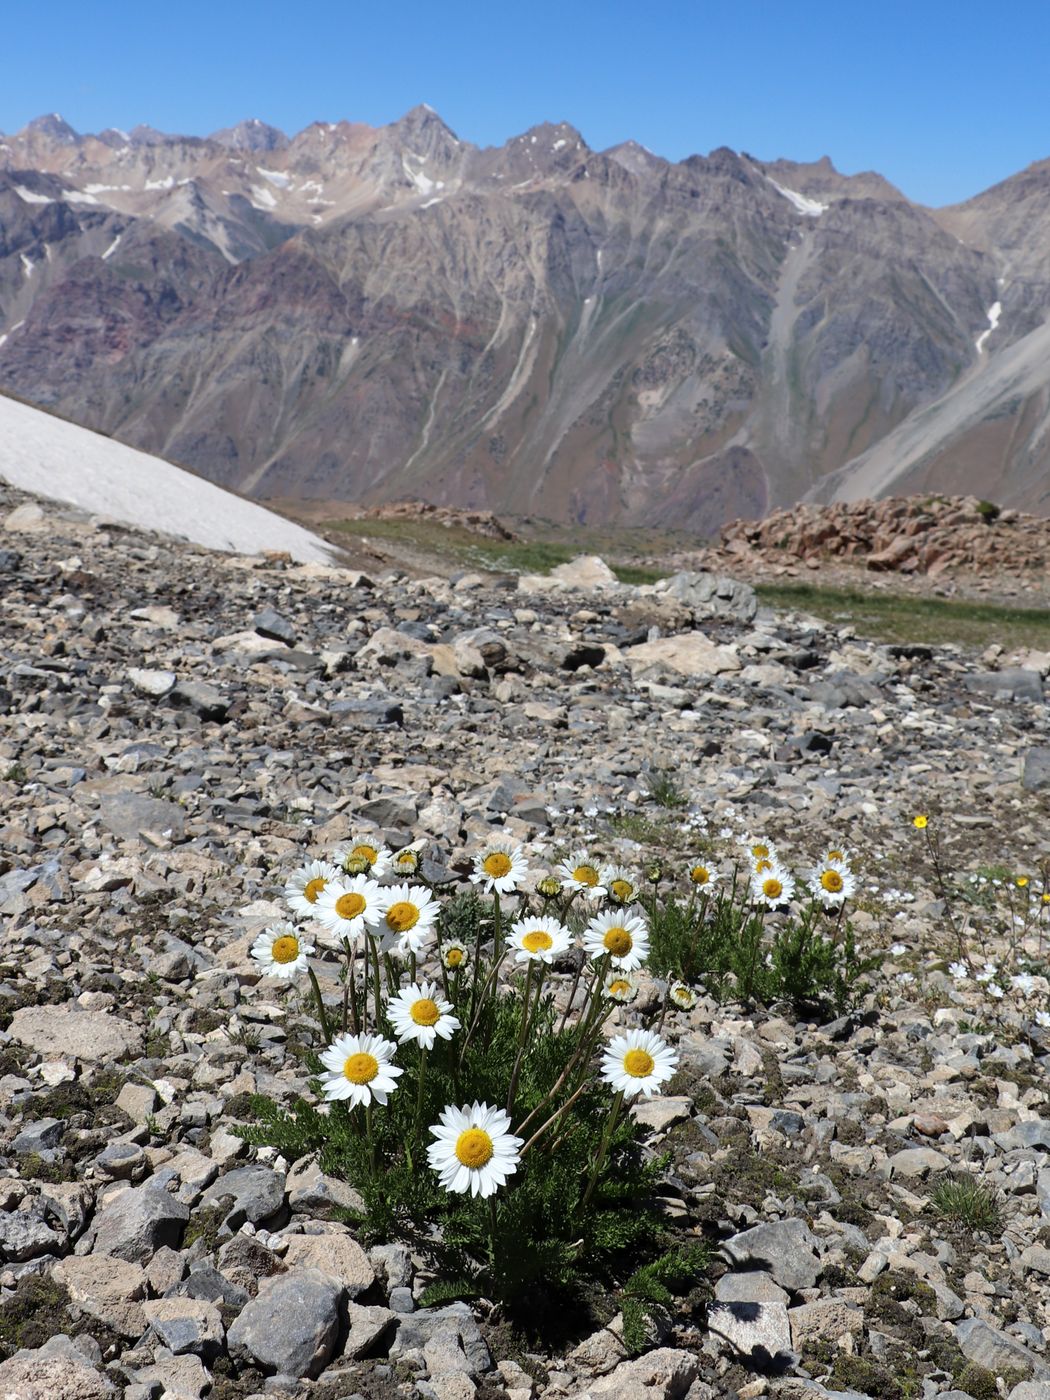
(835,855)
(585,875)
(474,1147)
(772,888)
(761,865)
(620,987)
(1022,881)
(402,916)
(313,888)
(760,851)
(621,890)
(832,881)
(919,822)
(538,941)
(497,864)
(348,906)
(699,874)
(425,1012)
(285,949)
(454,957)
(618,942)
(368,854)
(638,1063)
(407,862)
(361,1068)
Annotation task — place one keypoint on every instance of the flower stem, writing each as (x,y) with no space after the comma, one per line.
(599,1161)
(322,1014)
(419,1091)
(497,925)
(523,1031)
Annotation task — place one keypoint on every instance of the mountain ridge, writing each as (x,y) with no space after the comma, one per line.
(366,313)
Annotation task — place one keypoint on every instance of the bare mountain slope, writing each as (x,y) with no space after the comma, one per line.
(368,313)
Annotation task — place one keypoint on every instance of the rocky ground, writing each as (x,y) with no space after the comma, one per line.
(178,728)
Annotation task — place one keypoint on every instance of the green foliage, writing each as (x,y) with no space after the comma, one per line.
(722,942)
(961,1197)
(550,1231)
(989,510)
(648,1295)
(664,789)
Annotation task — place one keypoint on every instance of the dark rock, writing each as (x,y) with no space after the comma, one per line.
(137,1222)
(1013,683)
(204,700)
(292,1324)
(271,624)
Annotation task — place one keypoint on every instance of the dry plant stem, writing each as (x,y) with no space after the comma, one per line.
(528,1017)
(322,1014)
(370,1138)
(582,1051)
(555,1118)
(477,1015)
(351,986)
(497,925)
(419,1093)
(599,1160)
(377,990)
(572,994)
(933,848)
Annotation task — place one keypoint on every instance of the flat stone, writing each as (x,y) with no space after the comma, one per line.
(711,595)
(33,1375)
(292,1324)
(311,1192)
(152,683)
(257,1192)
(270,623)
(206,701)
(663,1374)
(1035,1133)
(108,1289)
(138,1101)
(368,1325)
(786,1247)
(754,1287)
(1036,1259)
(129,814)
(661,1111)
(1035,776)
(186,1325)
(24,1236)
(138,1221)
(997,1352)
(826,1319)
(688,654)
(38,1137)
(585,571)
(1012,683)
(86,1035)
(758,1331)
(338,1256)
(918,1162)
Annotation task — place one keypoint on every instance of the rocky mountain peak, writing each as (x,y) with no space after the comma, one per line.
(54,127)
(251,135)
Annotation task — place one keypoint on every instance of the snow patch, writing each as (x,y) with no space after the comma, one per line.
(275,177)
(262,198)
(2,339)
(436,200)
(103,189)
(559,144)
(112,248)
(31,196)
(59,460)
(78,197)
(811,208)
(994,312)
(166,184)
(423,183)
(28,264)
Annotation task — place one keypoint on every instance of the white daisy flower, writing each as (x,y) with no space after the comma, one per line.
(619,883)
(349,905)
(500,866)
(995,991)
(1024,983)
(358,1068)
(582,872)
(538,940)
(281,951)
(419,1013)
(454,954)
(703,876)
(959,971)
(638,1063)
(410,913)
(404,864)
(772,887)
(897,950)
(363,855)
(1042,1018)
(838,853)
(306,884)
(623,936)
(906,978)
(832,883)
(758,848)
(620,986)
(473,1150)
(683,996)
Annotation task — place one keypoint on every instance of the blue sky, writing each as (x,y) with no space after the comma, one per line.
(944,99)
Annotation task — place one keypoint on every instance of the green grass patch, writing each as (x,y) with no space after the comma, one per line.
(896,617)
(464,547)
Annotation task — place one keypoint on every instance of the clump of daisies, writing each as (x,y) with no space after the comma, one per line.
(479,1048)
(741,924)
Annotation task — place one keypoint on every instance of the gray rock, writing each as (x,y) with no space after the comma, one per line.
(292,1324)
(420,1327)
(1013,683)
(128,814)
(25,1236)
(1035,1133)
(711,595)
(152,683)
(369,714)
(786,1248)
(368,1327)
(1031,1390)
(749,1288)
(46,1374)
(257,1193)
(105,1288)
(918,1162)
(759,1331)
(663,1374)
(121,1161)
(310,1192)
(83,1035)
(137,1222)
(271,624)
(186,1325)
(206,701)
(1036,774)
(39,1137)
(995,1351)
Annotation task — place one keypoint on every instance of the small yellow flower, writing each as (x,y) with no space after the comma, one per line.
(919,822)
(1021,882)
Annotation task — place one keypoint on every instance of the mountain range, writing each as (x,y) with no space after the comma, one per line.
(364,314)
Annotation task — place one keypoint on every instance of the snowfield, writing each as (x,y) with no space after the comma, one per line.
(53,458)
